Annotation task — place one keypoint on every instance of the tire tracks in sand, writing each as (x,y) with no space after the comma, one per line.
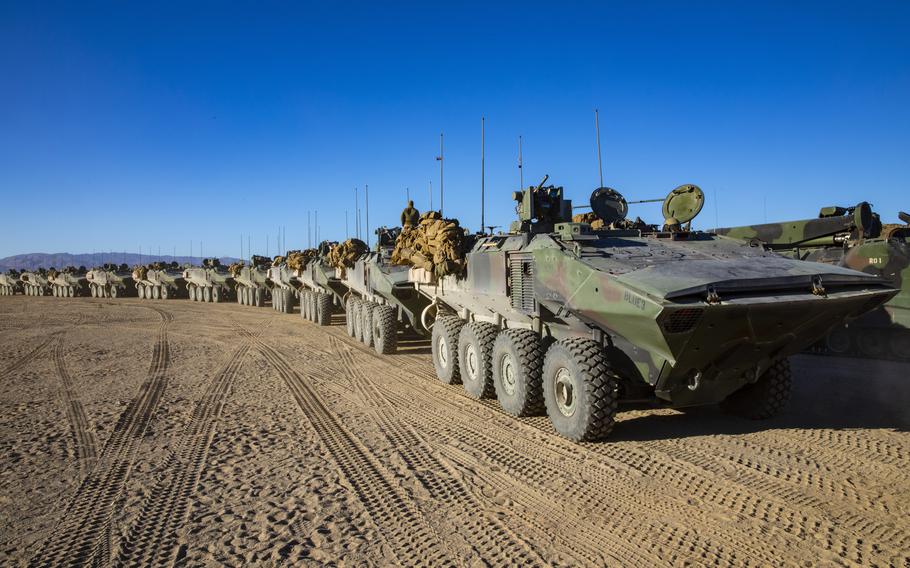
(152,539)
(85,444)
(83,534)
(488,538)
(400,521)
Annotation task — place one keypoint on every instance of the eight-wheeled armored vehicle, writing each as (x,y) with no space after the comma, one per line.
(556,315)
(382,299)
(853,237)
(283,275)
(69,282)
(10,283)
(321,287)
(210,282)
(251,282)
(34,282)
(159,281)
(110,281)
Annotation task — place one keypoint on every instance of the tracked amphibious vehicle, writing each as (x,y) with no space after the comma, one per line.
(159,281)
(110,281)
(853,237)
(558,316)
(210,282)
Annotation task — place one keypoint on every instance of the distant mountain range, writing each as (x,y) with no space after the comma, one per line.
(58,260)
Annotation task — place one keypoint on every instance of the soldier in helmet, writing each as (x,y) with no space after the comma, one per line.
(410,216)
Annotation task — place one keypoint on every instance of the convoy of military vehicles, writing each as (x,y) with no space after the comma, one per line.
(574,316)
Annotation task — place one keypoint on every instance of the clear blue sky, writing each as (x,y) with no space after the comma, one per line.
(128,124)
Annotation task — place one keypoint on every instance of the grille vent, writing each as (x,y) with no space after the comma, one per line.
(521,283)
(682,320)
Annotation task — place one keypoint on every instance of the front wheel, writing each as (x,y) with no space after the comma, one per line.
(765,397)
(580,390)
(385,330)
(323,307)
(517,368)
(475,358)
(444,346)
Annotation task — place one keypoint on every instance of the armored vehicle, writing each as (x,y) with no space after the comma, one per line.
(158,281)
(556,315)
(110,281)
(35,283)
(69,282)
(284,286)
(10,283)
(251,283)
(382,301)
(321,287)
(210,282)
(852,237)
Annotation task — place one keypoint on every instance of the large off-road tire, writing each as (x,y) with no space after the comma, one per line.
(366,323)
(289,301)
(580,390)
(323,309)
(764,398)
(259,297)
(156,292)
(385,330)
(355,316)
(216,294)
(206,293)
(475,358)
(113,292)
(165,293)
(444,346)
(518,372)
(349,317)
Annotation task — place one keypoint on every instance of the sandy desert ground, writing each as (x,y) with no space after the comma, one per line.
(175,433)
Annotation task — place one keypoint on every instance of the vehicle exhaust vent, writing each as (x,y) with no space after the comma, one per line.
(682,320)
(521,282)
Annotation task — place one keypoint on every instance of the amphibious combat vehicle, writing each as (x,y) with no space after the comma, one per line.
(286,286)
(34,282)
(558,316)
(210,282)
(159,281)
(10,283)
(321,287)
(853,237)
(110,281)
(69,282)
(382,301)
(251,282)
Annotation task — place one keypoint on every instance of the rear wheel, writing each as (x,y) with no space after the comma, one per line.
(444,346)
(289,304)
(216,294)
(164,293)
(156,292)
(385,330)
(475,351)
(207,294)
(323,309)
(517,372)
(366,323)
(580,390)
(113,292)
(765,397)
(838,341)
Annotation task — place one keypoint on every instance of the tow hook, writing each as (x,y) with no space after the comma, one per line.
(694,381)
(817,288)
(713,297)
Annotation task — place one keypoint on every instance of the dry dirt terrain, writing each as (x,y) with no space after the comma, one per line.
(174,433)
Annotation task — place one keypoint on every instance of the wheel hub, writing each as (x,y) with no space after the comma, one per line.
(507,373)
(564,389)
(471,362)
(442,350)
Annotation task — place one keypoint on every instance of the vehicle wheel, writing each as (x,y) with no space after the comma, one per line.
(900,343)
(518,372)
(475,357)
(207,294)
(240,295)
(312,306)
(444,345)
(385,330)
(323,309)
(216,294)
(355,315)
(156,292)
(164,293)
(113,292)
(366,323)
(580,390)
(838,341)
(288,301)
(763,398)
(276,299)
(871,343)
(191,291)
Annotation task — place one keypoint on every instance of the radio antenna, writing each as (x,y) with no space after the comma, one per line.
(600,166)
(521,179)
(482,171)
(439,159)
